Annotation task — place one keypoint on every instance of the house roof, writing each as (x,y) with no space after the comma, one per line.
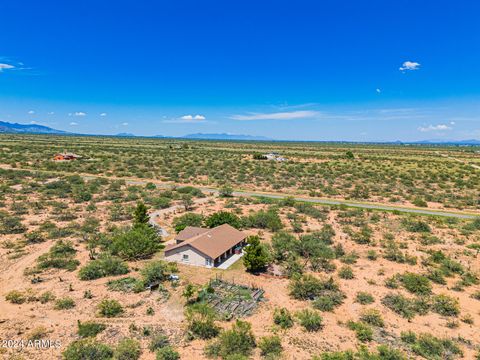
(213,242)
(189,232)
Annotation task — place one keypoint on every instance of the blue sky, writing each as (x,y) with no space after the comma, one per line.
(306,70)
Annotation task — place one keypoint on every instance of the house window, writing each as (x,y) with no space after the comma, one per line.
(184,257)
(208,262)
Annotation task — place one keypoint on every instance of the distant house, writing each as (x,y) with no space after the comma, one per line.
(275,157)
(66,157)
(205,247)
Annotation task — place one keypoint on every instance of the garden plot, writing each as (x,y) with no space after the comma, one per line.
(233,300)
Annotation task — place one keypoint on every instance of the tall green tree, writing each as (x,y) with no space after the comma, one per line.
(256,256)
(140,215)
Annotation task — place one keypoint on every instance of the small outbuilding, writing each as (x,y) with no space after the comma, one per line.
(66,156)
(205,247)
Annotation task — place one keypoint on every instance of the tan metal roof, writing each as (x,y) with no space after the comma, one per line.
(189,232)
(213,242)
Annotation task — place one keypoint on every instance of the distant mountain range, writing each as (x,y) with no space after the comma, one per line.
(6,127)
(225,136)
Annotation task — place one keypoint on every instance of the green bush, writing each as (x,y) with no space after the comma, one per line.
(188,219)
(154,272)
(64,304)
(15,297)
(283,318)
(106,265)
(60,256)
(346,273)
(372,317)
(167,353)
(89,328)
(238,341)
(127,349)
(110,308)
(264,220)
(223,217)
(158,341)
(201,321)
(328,300)
(87,349)
(256,257)
(138,242)
(127,284)
(363,332)
(364,298)
(416,284)
(310,320)
(431,347)
(270,346)
(445,305)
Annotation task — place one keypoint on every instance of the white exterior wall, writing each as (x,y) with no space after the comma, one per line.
(194,256)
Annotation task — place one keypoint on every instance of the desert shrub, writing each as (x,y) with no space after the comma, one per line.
(201,321)
(46,297)
(11,225)
(372,255)
(64,304)
(106,265)
(237,341)
(127,284)
(138,242)
(167,353)
(189,219)
(190,190)
(60,256)
(264,220)
(40,332)
(437,276)
(416,284)
(445,305)
(363,331)
(127,349)
(35,237)
(364,298)
(372,317)
(158,341)
(223,217)
(384,352)
(476,295)
(431,347)
(89,328)
(270,346)
(15,297)
(283,318)
(310,320)
(256,256)
(110,308)
(154,272)
(416,226)
(328,300)
(405,307)
(346,273)
(87,349)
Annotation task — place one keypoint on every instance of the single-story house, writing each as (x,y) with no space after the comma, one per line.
(66,157)
(205,247)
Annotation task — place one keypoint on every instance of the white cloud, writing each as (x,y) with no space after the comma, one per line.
(378,90)
(125,124)
(33,122)
(103,114)
(409,65)
(291,115)
(5,67)
(31,112)
(439,127)
(50,113)
(191,117)
(79,113)
(452,122)
(73,123)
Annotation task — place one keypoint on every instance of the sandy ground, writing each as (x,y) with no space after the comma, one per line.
(18,321)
